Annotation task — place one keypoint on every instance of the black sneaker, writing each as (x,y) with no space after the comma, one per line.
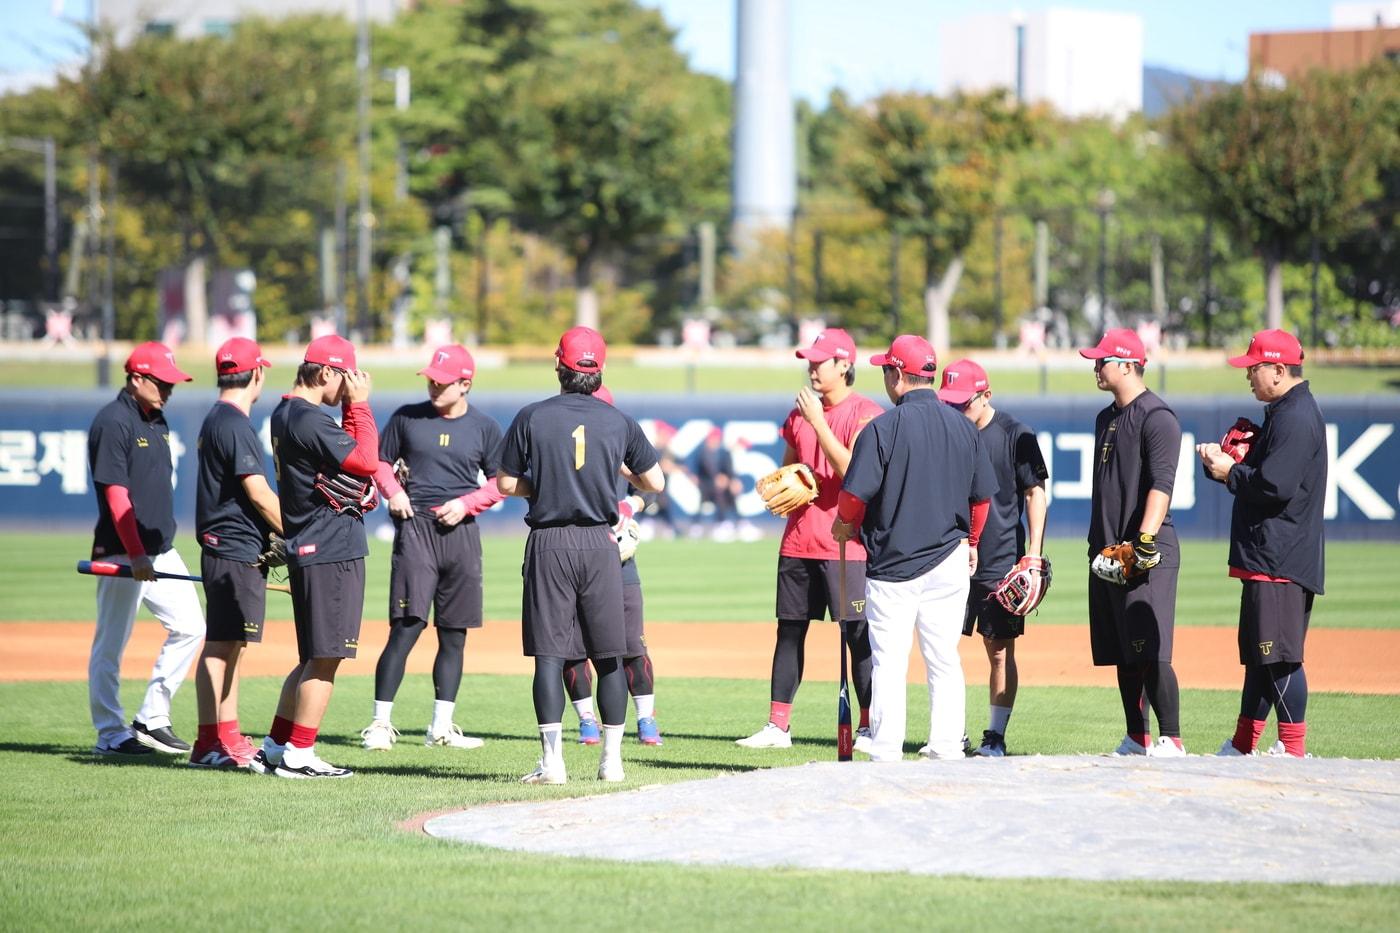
(311,767)
(160,738)
(130,747)
(993,745)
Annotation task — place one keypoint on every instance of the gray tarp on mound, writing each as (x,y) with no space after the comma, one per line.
(1196,819)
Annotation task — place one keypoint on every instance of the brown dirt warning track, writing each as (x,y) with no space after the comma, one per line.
(1342,660)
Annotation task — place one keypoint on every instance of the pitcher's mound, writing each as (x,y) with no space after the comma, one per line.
(1095,818)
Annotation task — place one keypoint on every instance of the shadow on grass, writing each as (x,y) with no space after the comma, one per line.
(416,738)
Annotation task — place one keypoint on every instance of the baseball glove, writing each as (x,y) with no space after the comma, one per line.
(275,555)
(788,488)
(628,536)
(1120,563)
(1239,439)
(1024,585)
(345,493)
(401,471)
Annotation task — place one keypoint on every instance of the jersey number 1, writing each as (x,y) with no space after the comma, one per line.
(578,436)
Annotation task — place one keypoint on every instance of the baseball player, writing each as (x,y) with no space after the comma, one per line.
(918,488)
(129,456)
(1132,596)
(1020,475)
(820,431)
(236,512)
(324,474)
(445,446)
(1278,476)
(572,447)
(636,663)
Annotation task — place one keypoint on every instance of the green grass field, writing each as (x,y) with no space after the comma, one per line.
(700,581)
(98,844)
(624,377)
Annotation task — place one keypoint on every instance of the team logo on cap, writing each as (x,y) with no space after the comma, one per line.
(336,359)
(442,356)
(1272,354)
(951,375)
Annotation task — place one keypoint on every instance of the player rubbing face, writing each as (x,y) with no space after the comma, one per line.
(333,385)
(828,376)
(149,391)
(446,396)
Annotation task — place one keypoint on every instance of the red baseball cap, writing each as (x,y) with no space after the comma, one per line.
(157,361)
(604,395)
(909,353)
(1120,345)
(238,355)
(449,364)
(331,350)
(582,349)
(830,343)
(1271,346)
(961,381)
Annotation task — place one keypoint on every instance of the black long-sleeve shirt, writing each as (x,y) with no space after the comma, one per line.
(1279,490)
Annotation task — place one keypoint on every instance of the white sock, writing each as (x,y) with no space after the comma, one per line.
(549,740)
(272,751)
(383,709)
(442,715)
(646,706)
(584,708)
(1000,716)
(612,741)
(294,756)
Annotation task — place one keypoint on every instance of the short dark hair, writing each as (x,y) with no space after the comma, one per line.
(851,376)
(1296,371)
(910,379)
(574,382)
(236,380)
(307,373)
(1139,369)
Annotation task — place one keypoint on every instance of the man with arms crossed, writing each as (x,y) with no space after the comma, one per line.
(820,431)
(129,456)
(1132,616)
(917,489)
(1021,474)
(235,513)
(324,472)
(1278,477)
(444,444)
(572,447)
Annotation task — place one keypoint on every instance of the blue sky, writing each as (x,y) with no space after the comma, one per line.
(865,46)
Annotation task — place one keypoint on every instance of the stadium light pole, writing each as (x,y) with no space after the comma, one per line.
(365,221)
(1105,204)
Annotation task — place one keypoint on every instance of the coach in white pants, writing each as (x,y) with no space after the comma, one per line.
(917,489)
(129,455)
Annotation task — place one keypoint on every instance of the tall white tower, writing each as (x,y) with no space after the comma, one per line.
(765,136)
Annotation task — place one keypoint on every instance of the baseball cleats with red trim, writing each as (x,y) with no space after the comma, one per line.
(588,732)
(770,736)
(451,737)
(1130,746)
(547,772)
(648,732)
(1168,747)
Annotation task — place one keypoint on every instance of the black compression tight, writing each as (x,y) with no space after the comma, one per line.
(1155,682)
(641,680)
(447,666)
(789,656)
(549,690)
(1281,686)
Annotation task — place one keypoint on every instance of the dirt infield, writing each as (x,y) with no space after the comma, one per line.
(1343,660)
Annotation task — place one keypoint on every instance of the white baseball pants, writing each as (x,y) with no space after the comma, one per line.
(931,605)
(176,605)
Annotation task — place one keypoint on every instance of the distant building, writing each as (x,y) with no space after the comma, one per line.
(188,19)
(1361,34)
(1365,15)
(1083,62)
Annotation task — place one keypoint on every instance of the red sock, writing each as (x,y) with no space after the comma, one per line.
(1295,738)
(1142,738)
(229,733)
(208,734)
(780,714)
(1247,732)
(281,730)
(865,717)
(302,736)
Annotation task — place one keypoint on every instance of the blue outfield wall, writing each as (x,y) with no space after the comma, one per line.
(43,454)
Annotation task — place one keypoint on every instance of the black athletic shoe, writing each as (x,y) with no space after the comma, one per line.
(993,745)
(160,738)
(129,747)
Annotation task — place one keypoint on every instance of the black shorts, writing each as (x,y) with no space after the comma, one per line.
(808,589)
(1133,624)
(327,603)
(572,605)
(1273,622)
(986,616)
(438,568)
(632,620)
(235,599)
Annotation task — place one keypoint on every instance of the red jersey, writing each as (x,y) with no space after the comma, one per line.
(808,531)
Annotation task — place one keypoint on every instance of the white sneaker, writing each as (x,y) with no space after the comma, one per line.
(863,740)
(452,738)
(1277,750)
(925,752)
(1166,747)
(770,736)
(550,773)
(610,770)
(1228,750)
(1129,746)
(379,736)
(305,764)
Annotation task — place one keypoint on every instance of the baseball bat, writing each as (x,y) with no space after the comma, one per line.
(844,743)
(105,568)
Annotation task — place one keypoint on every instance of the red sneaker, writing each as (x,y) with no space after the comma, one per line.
(215,756)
